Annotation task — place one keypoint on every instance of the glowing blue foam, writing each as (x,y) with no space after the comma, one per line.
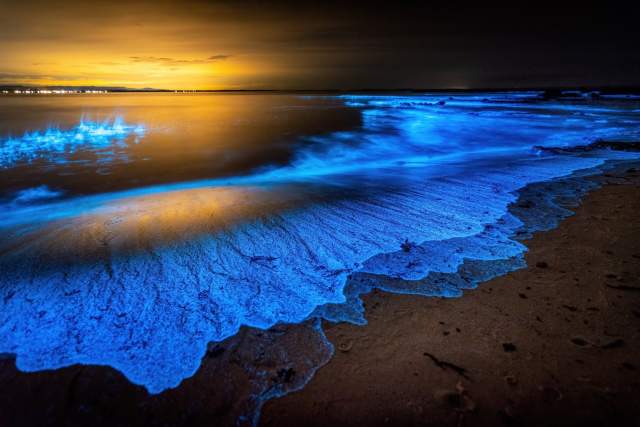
(54,143)
(435,180)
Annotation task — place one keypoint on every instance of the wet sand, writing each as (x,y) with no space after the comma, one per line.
(557,343)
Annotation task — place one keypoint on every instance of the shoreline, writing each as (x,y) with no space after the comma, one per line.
(553,343)
(268,363)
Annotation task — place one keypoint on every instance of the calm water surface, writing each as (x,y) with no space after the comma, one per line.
(174,137)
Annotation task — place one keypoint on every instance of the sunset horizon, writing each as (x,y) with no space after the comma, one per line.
(331,45)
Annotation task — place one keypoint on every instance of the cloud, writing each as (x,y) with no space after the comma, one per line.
(173,61)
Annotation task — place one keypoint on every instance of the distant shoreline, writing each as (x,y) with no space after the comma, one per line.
(558,91)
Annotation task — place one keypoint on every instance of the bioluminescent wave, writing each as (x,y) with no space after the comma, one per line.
(55,144)
(141,279)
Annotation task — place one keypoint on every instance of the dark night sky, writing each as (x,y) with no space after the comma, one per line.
(318,45)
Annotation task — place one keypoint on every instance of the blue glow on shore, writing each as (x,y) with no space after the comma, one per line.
(54,143)
(428,186)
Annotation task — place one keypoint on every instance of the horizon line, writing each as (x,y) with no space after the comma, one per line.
(115,89)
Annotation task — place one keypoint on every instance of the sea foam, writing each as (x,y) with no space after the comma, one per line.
(419,188)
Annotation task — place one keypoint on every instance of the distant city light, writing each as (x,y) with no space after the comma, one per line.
(53,91)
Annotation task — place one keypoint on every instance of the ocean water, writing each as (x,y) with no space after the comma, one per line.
(137,228)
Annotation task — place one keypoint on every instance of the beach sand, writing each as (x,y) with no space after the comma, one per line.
(556,343)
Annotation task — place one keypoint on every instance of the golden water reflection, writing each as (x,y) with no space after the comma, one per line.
(144,222)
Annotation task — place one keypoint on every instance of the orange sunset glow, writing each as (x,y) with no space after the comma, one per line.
(138,45)
(313,45)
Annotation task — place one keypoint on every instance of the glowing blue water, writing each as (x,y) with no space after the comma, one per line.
(417,189)
(54,144)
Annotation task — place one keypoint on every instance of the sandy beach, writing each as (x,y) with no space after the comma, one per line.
(552,344)
(556,343)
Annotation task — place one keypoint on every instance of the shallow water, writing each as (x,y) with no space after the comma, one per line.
(141,227)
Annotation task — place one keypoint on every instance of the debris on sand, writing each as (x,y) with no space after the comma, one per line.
(509,347)
(579,341)
(406,246)
(444,365)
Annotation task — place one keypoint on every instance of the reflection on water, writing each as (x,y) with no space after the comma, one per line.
(186,137)
(140,241)
(102,226)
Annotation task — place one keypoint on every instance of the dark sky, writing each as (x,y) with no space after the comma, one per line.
(318,45)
